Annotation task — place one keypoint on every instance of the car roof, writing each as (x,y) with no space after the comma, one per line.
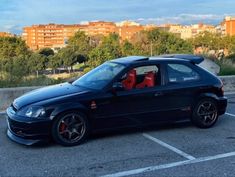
(162,58)
(130,59)
(196,59)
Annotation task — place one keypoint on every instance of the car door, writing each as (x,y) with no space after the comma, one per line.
(146,104)
(132,107)
(180,90)
(113,110)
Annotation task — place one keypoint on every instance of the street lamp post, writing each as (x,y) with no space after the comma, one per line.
(151,48)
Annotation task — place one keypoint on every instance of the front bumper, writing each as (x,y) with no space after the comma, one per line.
(27,131)
(222,105)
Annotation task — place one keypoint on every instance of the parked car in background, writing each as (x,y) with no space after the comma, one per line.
(126,92)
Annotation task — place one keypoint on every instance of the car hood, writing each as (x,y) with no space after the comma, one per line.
(48,93)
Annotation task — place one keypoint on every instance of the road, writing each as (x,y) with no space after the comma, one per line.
(170,150)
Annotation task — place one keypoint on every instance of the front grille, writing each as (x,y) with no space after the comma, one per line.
(12,125)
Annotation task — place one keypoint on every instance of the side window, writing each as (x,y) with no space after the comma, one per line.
(141,77)
(145,69)
(181,73)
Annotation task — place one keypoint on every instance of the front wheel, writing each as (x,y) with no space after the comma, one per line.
(70,129)
(205,113)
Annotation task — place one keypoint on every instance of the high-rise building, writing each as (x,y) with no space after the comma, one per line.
(229,24)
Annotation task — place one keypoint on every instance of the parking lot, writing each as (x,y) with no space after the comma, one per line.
(170,150)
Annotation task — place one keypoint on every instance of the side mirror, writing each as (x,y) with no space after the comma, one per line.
(117,86)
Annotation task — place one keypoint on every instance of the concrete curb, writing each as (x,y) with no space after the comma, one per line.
(229,83)
(229,93)
(7,95)
(2,113)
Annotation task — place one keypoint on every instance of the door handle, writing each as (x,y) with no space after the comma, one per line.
(158,94)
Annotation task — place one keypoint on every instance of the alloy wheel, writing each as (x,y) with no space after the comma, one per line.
(71,128)
(207,112)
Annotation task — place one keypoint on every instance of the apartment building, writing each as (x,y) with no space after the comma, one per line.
(100,28)
(6,34)
(127,29)
(51,35)
(190,31)
(57,35)
(229,25)
(198,28)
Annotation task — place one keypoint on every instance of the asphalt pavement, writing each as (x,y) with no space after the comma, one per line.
(170,150)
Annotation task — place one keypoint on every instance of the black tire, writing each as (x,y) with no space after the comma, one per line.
(70,128)
(205,113)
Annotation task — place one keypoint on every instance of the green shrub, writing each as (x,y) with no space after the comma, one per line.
(87,69)
(231,58)
(227,67)
(40,81)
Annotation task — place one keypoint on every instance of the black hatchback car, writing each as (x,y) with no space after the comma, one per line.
(125,92)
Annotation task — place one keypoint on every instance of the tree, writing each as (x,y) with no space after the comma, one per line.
(13,58)
(167,43)
(80,44)
(111,45)
(12,47)
(95,40)
(109,48)
(20,67)
(229,44)
(37,62)
(157,42)
(128,48)
(142,43)
(208,41)
(69,57)
(46,52)
(54,62)
(14,67)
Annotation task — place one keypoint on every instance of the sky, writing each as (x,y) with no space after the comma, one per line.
(15,14)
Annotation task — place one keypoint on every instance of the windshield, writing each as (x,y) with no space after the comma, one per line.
(99,77)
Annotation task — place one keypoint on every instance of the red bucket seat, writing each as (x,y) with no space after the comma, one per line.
(130,81)
(149,80)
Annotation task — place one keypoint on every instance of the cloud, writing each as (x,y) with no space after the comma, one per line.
(15,29)
(185,19)
(19,13)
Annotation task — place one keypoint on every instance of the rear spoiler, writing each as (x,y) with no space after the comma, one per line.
(195,59)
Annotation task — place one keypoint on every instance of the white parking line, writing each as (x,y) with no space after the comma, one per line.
(233,115)
(169,165)
(229,93)
(187,156)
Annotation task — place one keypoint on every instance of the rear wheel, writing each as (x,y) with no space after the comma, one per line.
(70,129)
(205,113)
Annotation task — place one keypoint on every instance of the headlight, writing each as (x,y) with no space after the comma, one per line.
(32,111)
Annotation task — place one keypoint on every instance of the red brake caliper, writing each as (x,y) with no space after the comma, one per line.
(62,127)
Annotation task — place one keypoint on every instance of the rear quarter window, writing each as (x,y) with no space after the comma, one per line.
(178,73)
